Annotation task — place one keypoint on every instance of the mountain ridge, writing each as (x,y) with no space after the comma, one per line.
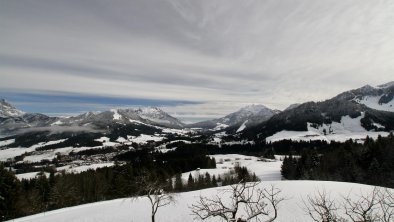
(350,103)
(248,115)
(12,119)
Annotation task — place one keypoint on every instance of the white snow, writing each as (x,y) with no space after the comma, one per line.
(59,122)
(47,154)
(373,102)
(265,171)
(121,140)
(7,110)
(163,147)
(7,142)
(116,116)
(220,126)
(40,157)
(13,152)
(67,169)
(126,210)
(29,176)
(347,128)
(42,144)
(102,139)
(79,169)
(242,127)
(177,131)
(106,141)
(143,138)
(379,126)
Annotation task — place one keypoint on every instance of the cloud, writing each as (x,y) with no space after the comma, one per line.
(218,54)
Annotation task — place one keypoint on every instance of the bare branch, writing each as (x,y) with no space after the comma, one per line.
(386,203)
(257,203)
(363,209)
(321,207)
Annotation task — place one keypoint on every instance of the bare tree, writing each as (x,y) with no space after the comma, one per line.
(259,204)
(364,209)
(154,191)
(321,207)
(386,203)
(368,207)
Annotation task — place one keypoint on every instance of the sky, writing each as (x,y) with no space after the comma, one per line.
(196,59)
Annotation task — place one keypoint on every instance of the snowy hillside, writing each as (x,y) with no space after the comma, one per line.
(347,128)
(379,98)
(126,210)
(139,210)
(373,102)
(354,114)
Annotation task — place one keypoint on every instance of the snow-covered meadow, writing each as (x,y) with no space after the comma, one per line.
(265,170)
(138,210)
(127,210)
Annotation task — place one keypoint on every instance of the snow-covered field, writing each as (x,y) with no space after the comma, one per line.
(126,210)
(138,210)
(7,142)
(13,152)
(67,169)
(265,171)
(79,169)
(347,128)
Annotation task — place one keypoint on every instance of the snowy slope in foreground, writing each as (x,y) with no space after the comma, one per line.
(125,210)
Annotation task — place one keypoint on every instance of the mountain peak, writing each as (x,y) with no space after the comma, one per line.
(367,89)
(8,110)
(150,109)
(254,108)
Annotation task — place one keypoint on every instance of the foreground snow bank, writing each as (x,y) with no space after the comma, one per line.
(125,210)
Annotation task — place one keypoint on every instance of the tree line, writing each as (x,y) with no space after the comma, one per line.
(371,162)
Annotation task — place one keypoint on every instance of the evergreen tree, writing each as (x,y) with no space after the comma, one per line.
(9,186)
(214,182)
(178,182)
(190,182)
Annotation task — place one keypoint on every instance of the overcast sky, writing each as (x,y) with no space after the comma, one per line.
(196,59)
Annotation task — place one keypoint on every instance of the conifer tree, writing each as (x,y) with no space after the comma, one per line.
(8,194)
(190,182)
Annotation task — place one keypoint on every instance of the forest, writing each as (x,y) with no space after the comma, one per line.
(371,162)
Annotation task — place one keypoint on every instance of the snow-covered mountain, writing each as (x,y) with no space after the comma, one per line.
(149,115)
(8,110)
(352,114)
(243,118)
(379,98)
(12,119)
(158,116)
